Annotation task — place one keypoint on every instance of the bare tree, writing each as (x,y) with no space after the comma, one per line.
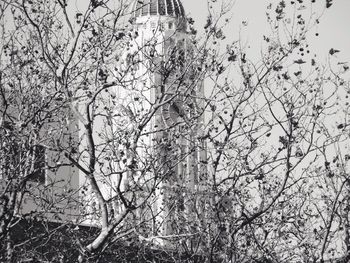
(275,126)
(79,83)
(253,168)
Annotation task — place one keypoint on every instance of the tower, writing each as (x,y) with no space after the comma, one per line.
(167,73)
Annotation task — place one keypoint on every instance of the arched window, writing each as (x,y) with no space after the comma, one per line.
(169,7)
(153,8)
(161,7)
(145,8)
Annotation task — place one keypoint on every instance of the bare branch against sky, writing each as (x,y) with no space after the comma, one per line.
(131,132)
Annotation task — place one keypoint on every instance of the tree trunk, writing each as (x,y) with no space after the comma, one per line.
(9,248)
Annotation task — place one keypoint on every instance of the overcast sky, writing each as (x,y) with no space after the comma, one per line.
(334,31)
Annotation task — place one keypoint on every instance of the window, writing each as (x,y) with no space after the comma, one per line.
(39,159)
(169,7)
(145,8)
(17,158)
(153,9)
(176,8)
(181,58)
(161,7)
(138,8)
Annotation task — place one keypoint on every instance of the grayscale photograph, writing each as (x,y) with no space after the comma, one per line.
(174,131)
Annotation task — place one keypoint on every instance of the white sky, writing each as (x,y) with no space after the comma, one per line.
(334,29)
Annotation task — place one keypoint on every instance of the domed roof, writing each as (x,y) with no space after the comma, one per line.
(171,8)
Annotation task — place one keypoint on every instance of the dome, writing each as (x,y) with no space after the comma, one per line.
(171,8)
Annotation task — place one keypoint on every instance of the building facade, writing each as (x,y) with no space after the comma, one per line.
(164,173)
